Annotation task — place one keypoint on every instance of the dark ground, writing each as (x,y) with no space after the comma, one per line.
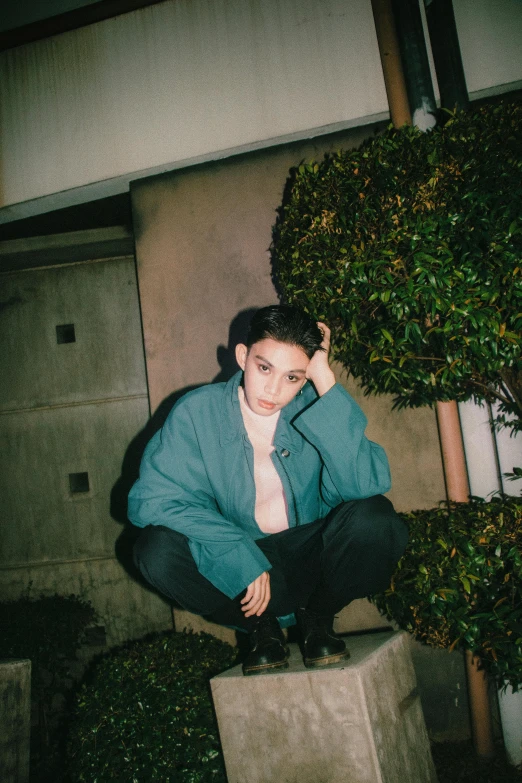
(456,762)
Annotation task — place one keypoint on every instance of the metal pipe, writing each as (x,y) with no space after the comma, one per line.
(452,447)
(481,723)
(446,54)
(417,74)
(391,63)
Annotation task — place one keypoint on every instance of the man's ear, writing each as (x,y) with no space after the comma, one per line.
(241,355)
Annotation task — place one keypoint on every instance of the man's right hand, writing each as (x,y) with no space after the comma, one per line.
(257,596)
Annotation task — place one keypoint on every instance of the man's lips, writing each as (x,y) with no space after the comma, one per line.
(266,404)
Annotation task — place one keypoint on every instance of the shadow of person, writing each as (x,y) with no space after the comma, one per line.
(130,471)
(226,357)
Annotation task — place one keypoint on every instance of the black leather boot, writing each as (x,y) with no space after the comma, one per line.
(268,650)
(319,644)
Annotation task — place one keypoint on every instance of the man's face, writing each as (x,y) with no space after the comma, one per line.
(274,373)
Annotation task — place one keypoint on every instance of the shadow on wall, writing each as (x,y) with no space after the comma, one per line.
(226,357)
(276,230)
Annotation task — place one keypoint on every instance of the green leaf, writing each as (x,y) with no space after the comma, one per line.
(465,584)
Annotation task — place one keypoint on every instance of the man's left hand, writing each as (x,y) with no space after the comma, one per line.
(319,371)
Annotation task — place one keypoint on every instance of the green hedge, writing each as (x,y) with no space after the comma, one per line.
(459,583)
(145,713)
(410,248)
(48,630)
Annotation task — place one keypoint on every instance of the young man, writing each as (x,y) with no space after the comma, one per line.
(261,497)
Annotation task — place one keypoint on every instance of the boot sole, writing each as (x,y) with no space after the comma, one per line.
(267,668)
(326,660)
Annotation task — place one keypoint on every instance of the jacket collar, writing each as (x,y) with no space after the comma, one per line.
(231,420)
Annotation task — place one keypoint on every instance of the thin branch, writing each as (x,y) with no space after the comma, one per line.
(491,392)
(507,380)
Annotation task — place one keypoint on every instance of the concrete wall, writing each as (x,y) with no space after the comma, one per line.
(191,80)
(72,408)
(490,452)
(16,13)
(178,80)
(202,244)
(489,34)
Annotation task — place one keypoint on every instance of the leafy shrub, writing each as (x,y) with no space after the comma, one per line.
(49,631)
(459,583)
(145,713)
(411,249)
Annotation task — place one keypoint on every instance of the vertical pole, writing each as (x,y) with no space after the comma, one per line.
(453,458)
(391,63)
(410,32)
(481,723)
(457,488)
(446,54)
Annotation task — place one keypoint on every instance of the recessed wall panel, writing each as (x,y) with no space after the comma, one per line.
(42,519)
(70,334)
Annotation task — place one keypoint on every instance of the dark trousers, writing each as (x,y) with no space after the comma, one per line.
(324,565)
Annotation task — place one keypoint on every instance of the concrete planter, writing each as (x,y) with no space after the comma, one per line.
(359,721)
(15,720)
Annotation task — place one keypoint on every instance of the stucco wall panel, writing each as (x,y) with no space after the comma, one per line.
(489,37)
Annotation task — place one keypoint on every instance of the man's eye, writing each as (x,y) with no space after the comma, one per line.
(293,378)
(263,367)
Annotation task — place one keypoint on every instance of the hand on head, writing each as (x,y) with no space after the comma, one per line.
(319,371)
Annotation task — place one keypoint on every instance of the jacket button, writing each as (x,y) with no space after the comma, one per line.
(285,453)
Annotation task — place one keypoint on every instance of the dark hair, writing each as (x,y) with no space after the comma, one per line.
(286,325)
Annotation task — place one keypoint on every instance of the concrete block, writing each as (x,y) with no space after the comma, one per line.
(356,722)
(186,621)
(443,689)
(360,615)
(15,720)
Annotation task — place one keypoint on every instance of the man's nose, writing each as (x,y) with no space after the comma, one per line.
(272,386)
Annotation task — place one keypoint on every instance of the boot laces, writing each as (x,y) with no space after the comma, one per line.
(266,627)
(312,621)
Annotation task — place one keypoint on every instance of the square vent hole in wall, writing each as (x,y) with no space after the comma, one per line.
(78,483)
(65,334)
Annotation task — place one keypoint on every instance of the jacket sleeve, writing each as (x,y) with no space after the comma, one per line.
(353,466)
(173,490)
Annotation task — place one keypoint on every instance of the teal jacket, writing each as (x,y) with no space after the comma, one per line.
(197,474)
